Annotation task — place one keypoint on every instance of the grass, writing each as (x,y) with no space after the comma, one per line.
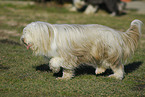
(23,74)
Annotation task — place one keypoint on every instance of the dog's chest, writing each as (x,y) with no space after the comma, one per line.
(53,51)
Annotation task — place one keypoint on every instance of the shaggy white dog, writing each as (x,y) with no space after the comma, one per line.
(69,45)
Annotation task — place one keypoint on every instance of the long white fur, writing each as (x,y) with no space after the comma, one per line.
(138,23)
(70,45)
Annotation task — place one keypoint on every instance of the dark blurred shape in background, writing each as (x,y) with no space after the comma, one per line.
(114,7)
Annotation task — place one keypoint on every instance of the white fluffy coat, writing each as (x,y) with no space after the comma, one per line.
(69,45)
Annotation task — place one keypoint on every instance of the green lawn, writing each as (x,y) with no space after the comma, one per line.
(22,74)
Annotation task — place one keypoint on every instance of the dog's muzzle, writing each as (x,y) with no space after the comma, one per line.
(23,41)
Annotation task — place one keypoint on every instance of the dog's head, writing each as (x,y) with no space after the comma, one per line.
(36,36)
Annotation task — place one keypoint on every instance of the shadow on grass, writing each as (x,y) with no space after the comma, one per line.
(43,67)
(7,41)
(85,69)
(2,67)
(132,67)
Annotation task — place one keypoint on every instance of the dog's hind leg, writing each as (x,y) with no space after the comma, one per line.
(118,71)
(101,68)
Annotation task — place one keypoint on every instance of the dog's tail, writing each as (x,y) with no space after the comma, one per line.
(131,38)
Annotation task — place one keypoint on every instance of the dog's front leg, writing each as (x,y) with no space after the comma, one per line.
(55,64)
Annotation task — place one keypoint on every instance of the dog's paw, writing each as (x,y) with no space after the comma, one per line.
(100,70)
(63,78)
(54,70)
(120,77)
